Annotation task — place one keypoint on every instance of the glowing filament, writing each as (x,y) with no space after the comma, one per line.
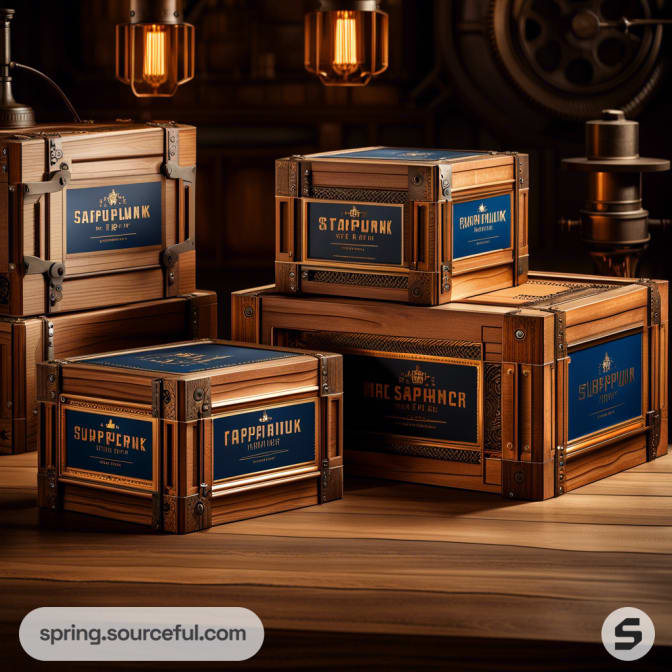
(154,67)
(345,59)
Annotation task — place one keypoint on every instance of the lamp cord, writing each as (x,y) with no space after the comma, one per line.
(60,91)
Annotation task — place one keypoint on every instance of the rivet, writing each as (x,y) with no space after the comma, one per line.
(12,267)
(511,493)
(292,274)
(206,407)
(519,334)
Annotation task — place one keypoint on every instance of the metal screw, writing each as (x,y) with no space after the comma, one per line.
(132,12)
(12,267)
(519,334)
(292,274)
(511,493)
(206,408)
(52,378)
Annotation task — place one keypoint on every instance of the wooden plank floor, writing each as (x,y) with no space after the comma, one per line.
(394,576)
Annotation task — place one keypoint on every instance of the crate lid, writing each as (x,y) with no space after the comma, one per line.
(405,154)
(186,358)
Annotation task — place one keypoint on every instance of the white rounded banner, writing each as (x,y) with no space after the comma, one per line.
(141,633)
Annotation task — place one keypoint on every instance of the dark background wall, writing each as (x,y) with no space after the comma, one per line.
(447,86)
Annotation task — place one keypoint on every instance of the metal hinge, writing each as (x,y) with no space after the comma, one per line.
(446,270)
(523,264)
(306,178)
(560,470)
(653,437)
(560,333)
(59,171)
(170,167)
(323,374)
(653,301)
(157,397)
(446,180)
(49,338)
(54,271)
(522,165)
(171,254)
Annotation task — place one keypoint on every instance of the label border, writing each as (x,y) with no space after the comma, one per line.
(512,212)
(443,443)
(95,406)
(250,409)
(128,250)
(358,264)
(623,424)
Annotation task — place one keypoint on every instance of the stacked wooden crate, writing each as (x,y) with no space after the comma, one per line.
(528,385)
(96,250)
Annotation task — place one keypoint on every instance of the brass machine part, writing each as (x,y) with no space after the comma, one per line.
(615,226)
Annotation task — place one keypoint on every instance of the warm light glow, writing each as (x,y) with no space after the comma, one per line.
(154,65)
(345,59)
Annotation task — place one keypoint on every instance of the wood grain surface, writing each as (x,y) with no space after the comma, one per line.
(394,576)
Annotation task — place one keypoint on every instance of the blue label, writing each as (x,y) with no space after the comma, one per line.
(109,444)
(605,385)
(268,438)
(189,358)
(113,217)
(361,233)
(483,225)
(399,154)
(412,397)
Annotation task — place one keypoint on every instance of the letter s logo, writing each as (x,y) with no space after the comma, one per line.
(622,633)
(628,633)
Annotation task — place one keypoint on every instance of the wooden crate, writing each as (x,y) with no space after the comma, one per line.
(26,341)
(417,226)
(95,215)
(189,435)
(529,392)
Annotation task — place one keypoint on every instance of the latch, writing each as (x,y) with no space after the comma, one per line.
(323,374)
(49,332)
(171,254)
(446,181)
(560,333)
(59,171)
(53,271)
(170,167)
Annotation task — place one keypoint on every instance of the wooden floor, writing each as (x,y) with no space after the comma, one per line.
(394,576)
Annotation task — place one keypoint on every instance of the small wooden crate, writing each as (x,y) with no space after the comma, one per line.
(95,215)
(417,226)
(25,342)
(189,435)
(529,392)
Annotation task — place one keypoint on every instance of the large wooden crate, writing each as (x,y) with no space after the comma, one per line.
(26,341)
(189,435)
(418,226)
(529,392)
(95,215)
